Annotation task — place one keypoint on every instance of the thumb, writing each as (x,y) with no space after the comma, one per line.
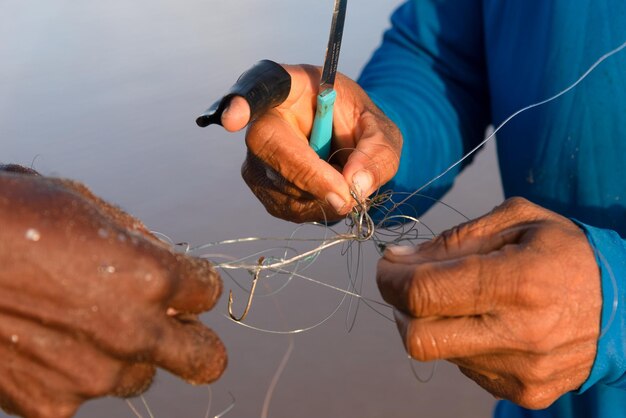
(376,157)
(237,114)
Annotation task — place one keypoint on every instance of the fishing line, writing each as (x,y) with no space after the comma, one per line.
(136,411)
(392,229)
(269,394)
(145,404)
(208,408)
(229,408)
(132,408)
(345,293)
(420,379)
(514,115)
(277,374)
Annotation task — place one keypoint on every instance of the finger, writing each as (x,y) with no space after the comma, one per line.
(505,224)
(376,158)
(430,339)
(467,286)
(67,365)
(286,150)
(191,351)
(281,198)
(197,285)
(31,390)
(463,240)
(237,114)
(135,379)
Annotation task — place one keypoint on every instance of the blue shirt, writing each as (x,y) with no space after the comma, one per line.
(449,68)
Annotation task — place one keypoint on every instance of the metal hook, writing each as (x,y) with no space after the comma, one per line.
(250,296)
(360,216)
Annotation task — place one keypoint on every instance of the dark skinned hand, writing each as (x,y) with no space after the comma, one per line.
(90,302)
(284,172)
(513,298)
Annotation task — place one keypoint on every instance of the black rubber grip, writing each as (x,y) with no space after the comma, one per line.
(264,86)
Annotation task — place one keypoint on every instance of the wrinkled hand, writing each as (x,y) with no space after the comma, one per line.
(91,302)
(513,298)
(287,176)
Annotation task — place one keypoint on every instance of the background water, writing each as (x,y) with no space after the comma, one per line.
(107,93)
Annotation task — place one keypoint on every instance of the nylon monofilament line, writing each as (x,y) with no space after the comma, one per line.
(361,221)
(515,114)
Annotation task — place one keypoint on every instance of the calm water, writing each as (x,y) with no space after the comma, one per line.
(107,93)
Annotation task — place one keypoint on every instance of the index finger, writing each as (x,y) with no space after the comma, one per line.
(470,285)
(197,285)
(279,141)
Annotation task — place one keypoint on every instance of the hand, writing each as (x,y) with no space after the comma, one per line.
(287,176)
(91,302)
(513,298)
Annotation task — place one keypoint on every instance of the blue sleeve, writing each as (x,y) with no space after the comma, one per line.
(429,77)
(609,367)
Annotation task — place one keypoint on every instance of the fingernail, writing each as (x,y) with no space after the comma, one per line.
(362,182)
(401,250)
(335,201)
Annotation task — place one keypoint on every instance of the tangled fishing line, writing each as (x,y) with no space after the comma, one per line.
(400,224)
(394,228)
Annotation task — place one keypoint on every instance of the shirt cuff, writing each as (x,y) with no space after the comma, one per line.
(609,367)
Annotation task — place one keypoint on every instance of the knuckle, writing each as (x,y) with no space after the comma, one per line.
(529,290)
(516,203)
(539,340)
(137,340)
(498,387)
(146,341)
(529,340)
(257,137)
(452,239)
(449,239)
(150,272)
(300,174)
(427,292)
(97,384)
(157,286)
(534,397)
(97,380)
(420,292)
(541,370)
(520,208)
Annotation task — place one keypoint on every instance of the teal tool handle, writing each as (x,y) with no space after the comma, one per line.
(323,124)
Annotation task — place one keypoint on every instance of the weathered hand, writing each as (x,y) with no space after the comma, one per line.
(513,298)
(285,173)
(91,303)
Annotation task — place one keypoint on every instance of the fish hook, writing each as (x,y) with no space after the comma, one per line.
(250,296)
